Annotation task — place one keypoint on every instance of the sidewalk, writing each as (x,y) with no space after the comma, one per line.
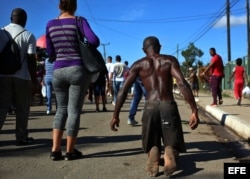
(229,113)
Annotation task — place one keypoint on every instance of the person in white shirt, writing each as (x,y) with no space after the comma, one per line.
(117,74)
(17,88)
(109,85)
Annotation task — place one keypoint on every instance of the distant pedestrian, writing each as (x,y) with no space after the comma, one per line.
(138,92)
(109,83)
(40,72)
(99,87)
(240,76)
(175,87)
(70,79)
(194,81)
(17,88)
(126,70)
(90,92)
(117,74)
(205,79)
(47,81)
(216,68)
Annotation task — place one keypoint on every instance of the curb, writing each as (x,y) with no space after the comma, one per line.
(238,125)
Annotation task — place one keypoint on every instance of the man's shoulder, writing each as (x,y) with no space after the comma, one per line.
(166,56)
(109,64)
(15,29)
(159,57)
(28,38)
(119,64)
(52,22)
(217,57)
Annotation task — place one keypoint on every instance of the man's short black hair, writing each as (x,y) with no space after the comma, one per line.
(212,49)
(151,41)
(18,16)
(239,61)
(118,58)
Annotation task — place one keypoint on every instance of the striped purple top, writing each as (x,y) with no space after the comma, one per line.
(61,39)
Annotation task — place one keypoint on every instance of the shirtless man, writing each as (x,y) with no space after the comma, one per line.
(161,119)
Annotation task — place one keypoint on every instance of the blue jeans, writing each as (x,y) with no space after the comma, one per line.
(70,85)
(49,88)
(117,85)
(139,90)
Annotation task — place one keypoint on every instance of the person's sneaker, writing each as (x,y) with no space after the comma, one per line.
(73,156)
(113,103)
(132,122)
(48,112)
(27,141)
(220,102)
(97,110)
(56,155)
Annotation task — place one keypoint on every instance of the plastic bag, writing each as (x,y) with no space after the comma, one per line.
(246,92)
(43,90)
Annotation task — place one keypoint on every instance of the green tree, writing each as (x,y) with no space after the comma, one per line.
(191,55)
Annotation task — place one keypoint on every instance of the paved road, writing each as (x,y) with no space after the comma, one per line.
(108,154)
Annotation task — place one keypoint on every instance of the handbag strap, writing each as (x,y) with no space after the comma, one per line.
(7,33)
(79,27)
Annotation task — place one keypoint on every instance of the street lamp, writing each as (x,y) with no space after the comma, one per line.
(104,49)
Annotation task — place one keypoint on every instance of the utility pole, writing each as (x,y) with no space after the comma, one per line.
(104,49)
(177,52)
(228,32)
(248,30)
(248,38)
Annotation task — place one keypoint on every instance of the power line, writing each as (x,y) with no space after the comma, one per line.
(212,20)
(209,25)
(92,15)
(167,20)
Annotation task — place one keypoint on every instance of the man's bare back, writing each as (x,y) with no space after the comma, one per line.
(156,72)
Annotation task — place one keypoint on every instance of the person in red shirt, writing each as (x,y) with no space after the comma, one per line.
(216,68)
(239,75)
